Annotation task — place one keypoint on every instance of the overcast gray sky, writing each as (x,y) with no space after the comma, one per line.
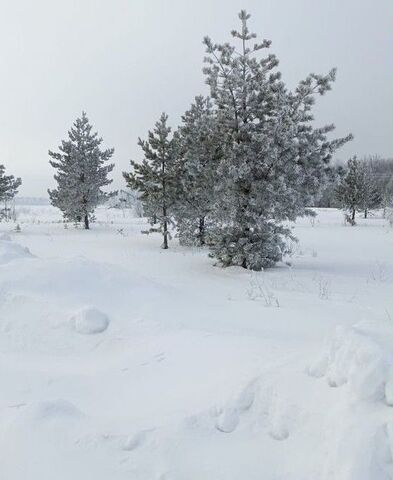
(126,61)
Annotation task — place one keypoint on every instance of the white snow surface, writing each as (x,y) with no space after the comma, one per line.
(119,360)
(10,251)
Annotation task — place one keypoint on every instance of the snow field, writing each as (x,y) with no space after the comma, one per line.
(118,360)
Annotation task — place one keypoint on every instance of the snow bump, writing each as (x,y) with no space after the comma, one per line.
(10,250)
(90,321)
(355,358)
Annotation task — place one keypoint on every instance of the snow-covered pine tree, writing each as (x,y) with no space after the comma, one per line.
(387,196)
(326,198)
(274,161)
(350,190)
(154,179)
(8,185)
(371,195)
(8,189)
(198,152)
(82,171)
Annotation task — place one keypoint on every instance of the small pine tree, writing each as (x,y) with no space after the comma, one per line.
(371,196)
(349,192)
(82,171)
(8,189)
(198,153)
(154,177)
(387,196)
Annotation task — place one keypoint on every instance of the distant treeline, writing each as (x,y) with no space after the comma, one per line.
(381,171)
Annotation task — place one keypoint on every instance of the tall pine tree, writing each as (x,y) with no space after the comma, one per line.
(82,172)
(274,161)
(198,152)
(154,177)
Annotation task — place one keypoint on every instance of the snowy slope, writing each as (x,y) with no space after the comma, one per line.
(119,360)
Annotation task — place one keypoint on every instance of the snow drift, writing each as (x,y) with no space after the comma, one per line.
(10,251)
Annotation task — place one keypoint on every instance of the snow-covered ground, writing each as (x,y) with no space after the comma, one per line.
(120,361)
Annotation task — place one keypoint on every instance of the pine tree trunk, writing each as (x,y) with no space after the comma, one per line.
(353,216)
(165,244)
(86,220)
(365,212)
(201,234)
(165,229)
(164,212)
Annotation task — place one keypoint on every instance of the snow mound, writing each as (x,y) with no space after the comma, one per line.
(5,237)
(358,359)
(89,321)
(10,250)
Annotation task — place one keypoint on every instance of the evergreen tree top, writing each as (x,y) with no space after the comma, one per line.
(156,147)
(81,140)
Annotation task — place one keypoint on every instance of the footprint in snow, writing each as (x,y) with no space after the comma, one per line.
(159,357)
(384,447)
(279,431)
(228,421)
(136,440)
(230,417)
